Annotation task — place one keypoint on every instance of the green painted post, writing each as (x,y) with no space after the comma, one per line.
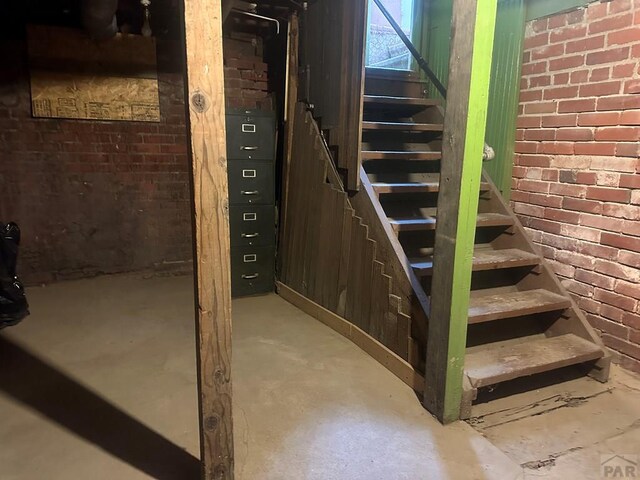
(473,25)
(505,77)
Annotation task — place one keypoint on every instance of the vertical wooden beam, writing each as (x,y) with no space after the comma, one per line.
(472,31)
(291,102)
(205,98)
(352,69)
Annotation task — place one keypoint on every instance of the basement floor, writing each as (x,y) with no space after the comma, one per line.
(99,383)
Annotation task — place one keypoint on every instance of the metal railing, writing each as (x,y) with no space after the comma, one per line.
(422,63)
(488,153)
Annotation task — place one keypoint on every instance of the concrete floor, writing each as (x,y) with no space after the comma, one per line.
(567,430)
(99,383)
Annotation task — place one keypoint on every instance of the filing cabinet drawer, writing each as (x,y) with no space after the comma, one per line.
(252,270)
(252,225)
(251,182)
(250,135)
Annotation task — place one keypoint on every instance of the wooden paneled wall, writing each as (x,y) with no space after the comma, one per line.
(332,57)
(326,253)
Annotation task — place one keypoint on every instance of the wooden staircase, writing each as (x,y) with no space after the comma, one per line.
(521,320)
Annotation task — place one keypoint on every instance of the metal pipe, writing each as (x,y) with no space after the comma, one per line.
(262,17)
(421,61)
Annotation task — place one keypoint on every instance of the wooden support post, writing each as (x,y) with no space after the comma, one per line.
(291,102)
(472,28)
(352,72)
(205,98)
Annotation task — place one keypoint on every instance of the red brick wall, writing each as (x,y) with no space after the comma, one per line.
(576,184)
(245,72)
(93,197)
(107,197)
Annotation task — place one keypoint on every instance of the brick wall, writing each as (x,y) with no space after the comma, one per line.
(107,197)
(245,72)
(93,197)
(576,179)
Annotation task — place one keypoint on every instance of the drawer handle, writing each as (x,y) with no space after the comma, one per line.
(251,276)
(250,235)
(250,192)
(248,148)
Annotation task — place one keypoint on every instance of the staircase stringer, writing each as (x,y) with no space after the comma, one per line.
(573,319)
(330,253)
(413,297)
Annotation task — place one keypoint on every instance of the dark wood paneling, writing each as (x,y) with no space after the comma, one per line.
(328,254)
(333,59)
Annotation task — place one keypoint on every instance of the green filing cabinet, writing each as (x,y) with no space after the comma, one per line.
(251,173)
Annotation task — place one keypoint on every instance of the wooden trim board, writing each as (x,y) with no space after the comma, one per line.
(392,362)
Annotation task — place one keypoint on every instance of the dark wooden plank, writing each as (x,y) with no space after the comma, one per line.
(378,312)
(353,280)
(320,270)
(297,209)
(400,101)
(343,276)
(334,245)
(205,94)
(403,126)
(461,166)
(392,362)
(390,321)
(291,102)
(404,335)
(515,304)
(429,223)
(413,187)
(316,173)
(483,259)
(491,364)
(334,54)
(366,270)
(400,155)
(404,326)
(405,283)
(352,87)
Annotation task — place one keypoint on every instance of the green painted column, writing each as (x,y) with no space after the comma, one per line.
(472,27)
(505,76)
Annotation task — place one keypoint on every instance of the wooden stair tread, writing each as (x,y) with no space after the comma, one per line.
(484,259)
(419,127)
(406,187)
(400,155)
(413,187)
(494,220)
(491,364)
(514,304)
(389,100)
(429,223)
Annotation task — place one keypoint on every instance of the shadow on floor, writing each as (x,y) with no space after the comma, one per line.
(29,380)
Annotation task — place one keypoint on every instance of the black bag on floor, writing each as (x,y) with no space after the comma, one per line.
(13,302)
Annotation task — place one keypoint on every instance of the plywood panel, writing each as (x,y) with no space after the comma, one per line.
(75,77)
